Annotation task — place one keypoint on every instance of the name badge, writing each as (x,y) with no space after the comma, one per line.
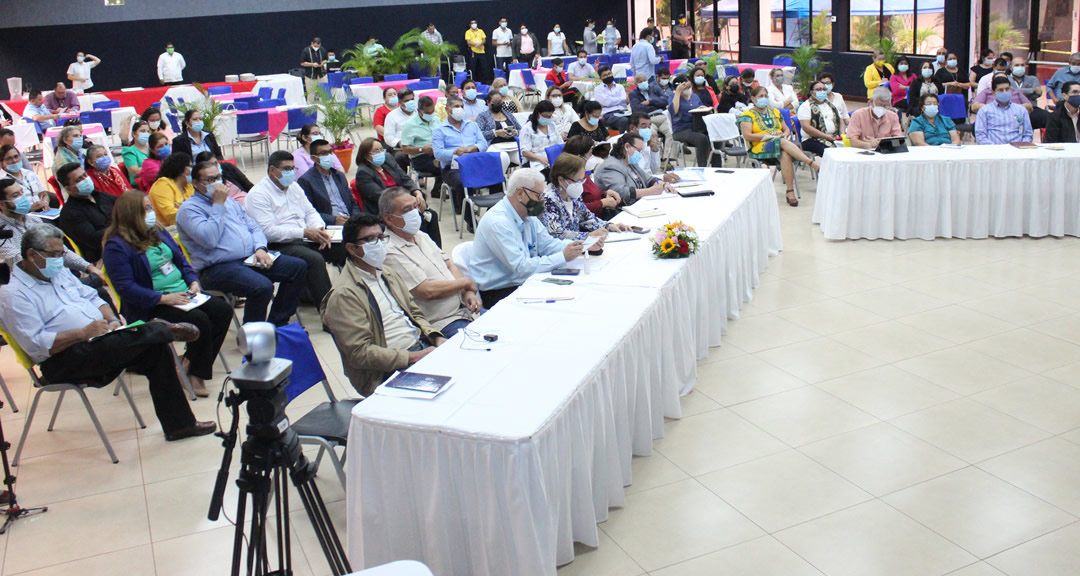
(167,268)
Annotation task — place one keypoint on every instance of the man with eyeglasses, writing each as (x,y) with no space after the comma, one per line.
(377,326)
(326,187)
(512,243)
(221,239)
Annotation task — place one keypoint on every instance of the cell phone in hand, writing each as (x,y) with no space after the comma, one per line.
(638,230)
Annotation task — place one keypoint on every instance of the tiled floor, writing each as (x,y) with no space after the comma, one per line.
(881,408)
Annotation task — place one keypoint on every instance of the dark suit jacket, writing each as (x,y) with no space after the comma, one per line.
(649,102)
(315,189)
(130,273)
(371,186)
(85,222)
(1059,127)
(182,143)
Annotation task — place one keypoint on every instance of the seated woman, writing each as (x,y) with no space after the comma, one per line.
(510,102)
(565,214)
(137,152)
(702,89)
(765,131)
(682,102)
(930,129)
(159,150)
(900,83)
(821,123)
(733,98)
(107,178)
(877,73)
(496,124)
(15,168)
(68,148)
(781,95)
(172,187)
(194,139)
(374,175)
(591,123)
(390,102)
(925,83)
(234,179)
(152,277)
(621,171)
(156,121)
(538,134)
(603,203)
(302,155)
(564,116)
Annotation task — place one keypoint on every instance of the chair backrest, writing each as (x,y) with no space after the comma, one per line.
(433,81)
(252,123)
(20,355)
(249,100)
(731,71)
(797,125)
(298,117)
(785,113)
(103,117)
(722,127)
(106,105)
(460,77)
(952,106)
(500,74)
(527,76)
(782,61)
(266,93)
(519,66)
(212,90)
(336,79)
(521,117)
(418,85)
(280,95)
(362,80)
(238,106)
(549,83)
(481,169)
(56,188)
(462,256)
(395,77)
(264,104)
(294,344)
(553,153)
(173,122)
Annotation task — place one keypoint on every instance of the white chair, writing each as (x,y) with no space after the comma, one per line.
(462,256)
(521,117)
(724,131)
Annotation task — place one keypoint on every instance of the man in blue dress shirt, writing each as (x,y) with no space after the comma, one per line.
(1004,121)
(452,138)
(643,58)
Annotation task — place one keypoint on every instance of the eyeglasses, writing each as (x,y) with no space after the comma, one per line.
(372,240)
(531,191)
(50,253)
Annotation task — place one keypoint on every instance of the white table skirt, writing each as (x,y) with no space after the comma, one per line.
(934,192)
(533,444)
(293,85)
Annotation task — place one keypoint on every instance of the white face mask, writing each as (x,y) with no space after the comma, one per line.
(575,190)
(374,254)
(457,114)
(412,219)
(878,111)
(557,101)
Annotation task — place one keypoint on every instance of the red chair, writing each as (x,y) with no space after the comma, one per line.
(356,194)
(230,161)
(56,189)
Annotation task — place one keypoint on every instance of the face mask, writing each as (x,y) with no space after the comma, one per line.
(582,61)
(326,162)
(645,133)
(524,31)
(556,29)
(594,120)
(821,95)
(412,222)
(197,126)
(635,158)
(926,73)
(1074,69)
(103,163)
(170,50)
(878,111)
(1002,97)
(534,207)
(378,159)
(1019,71)
(427,117)
(543,121)
(22,204)
(502,24)
(504,91)
(591,26)
(902,67)
(209,192)
(828,87)
(165,151)
(609,80)
(80,59)
(664,81)
(940,58)
(762,102)
(699,80)
(287,177)
(410,106)
(154,125)
(392,101)
(142,137)
(77,143)
(778,80)
(470,94)
(150,219)
(951,63)
(643,86)
(558,69)
(473,25)
(15,167)
(53,266)
(557,102)
(457,114)
(495,108)
(988,62)
(375,254)
(85,187)
(575,190)
(1074,100)
(930,110)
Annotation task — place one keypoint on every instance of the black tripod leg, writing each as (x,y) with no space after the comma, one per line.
(238,537)
(323,526)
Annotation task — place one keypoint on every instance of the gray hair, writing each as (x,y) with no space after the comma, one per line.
(451,100)
(882,94)
(90,152)
(37,238)
(525,178)
(389,197)
(640,78)
(1074,56)
(64,133)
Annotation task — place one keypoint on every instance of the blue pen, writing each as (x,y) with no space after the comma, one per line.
(540,302)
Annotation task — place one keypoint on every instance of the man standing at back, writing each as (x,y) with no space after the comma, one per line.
(313,61)
(170,66)
(477,57)
(502,38)
(643,58)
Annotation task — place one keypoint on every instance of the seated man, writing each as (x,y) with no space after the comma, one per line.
(327,188)
(1032,89)
(447,298)
(663,81)
(395,123)
(416,137)
(988,96)
(451,139)
(580,69)
(377,326)
(62,101)
(86,214)
(512,243)
(219,236)
(1055,92)
(1001,67)
(642,126)
(53,317)
(287,218)
(648,98)
(37,113)
(1062,126)
(869,125)
(1004,121)
(612,96)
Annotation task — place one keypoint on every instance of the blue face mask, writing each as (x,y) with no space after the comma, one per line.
(197,126)
(378,159)
(142,137)
(951,63)
(902,67)
(103,163)
(150,219)
(53,266)
(543,121)
(504,91)
(326,162)
(930,110)
(926,72)
(635,158)
(762,102)
(410,106)
(594,120)
(392,101)
(85,187)
(165,151)
(77,143)
(940,58)
(1003,97)
(470,94)
(287,177)
(22,204)
(645,133)
(643,86)
(699,80)
(427,117)
(821,95)
(15,167)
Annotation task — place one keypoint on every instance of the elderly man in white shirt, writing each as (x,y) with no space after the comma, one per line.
(78,72)
(394,125)
(170,66)
(291,224)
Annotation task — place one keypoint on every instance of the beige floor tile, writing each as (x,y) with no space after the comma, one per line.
(1018,308)
(969,430)
(882,458)
(1050,405)
(1028,349)
(137,560)
(691,443)
(178,507)
(725,351)
(887,391)
(1011,275)
(77,523)
(784,294)
(894,301)
(873,538)
(1049,469)
(830,316)
(766,331)
(1055,554)
(962,370)
(978,569)
(764,556)
(665,525)
(697,403)
(1062,291)
(957,324)
(783,490)
(309,542)
(792,264)
(606,560)
(1064,327)
(47,479)
(954,287)
(653,471)
(836,282)
(820,359)
(1068,374)
(803,415)
(209,553)
(167,460)
(743,378)
(900,268)
(978,512)
(73,429)
(891,341)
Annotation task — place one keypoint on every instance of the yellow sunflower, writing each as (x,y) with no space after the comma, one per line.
(667,245)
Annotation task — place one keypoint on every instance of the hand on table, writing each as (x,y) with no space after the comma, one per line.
(671,177)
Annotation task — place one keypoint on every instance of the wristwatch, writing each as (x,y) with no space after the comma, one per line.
(117,320)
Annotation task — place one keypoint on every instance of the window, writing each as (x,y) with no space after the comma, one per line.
(914,26)
(820,22)
(1009,25)
(794,23)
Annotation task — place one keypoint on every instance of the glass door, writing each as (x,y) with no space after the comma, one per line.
(1058,30)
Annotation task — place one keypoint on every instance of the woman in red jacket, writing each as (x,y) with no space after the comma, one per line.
(603,203)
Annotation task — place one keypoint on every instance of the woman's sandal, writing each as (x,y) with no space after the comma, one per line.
(791,199)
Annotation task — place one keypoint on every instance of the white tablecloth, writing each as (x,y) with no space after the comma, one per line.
(293,85)
(521,458)
(934,192)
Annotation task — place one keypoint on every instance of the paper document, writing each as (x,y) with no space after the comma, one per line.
(622,237)
(690,175)
(250,261)
(543,292)
(50,214)
(589,242)
(135,324)
(197,301)
(643,211)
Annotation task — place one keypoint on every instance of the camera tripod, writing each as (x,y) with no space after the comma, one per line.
(270,452)
(13,511)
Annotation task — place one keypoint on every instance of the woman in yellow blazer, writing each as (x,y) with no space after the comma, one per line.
(876,73)
(172,187)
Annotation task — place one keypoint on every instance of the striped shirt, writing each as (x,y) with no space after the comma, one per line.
(997,124)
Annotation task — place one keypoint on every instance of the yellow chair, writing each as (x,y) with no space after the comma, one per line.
(44,386)
(7,394)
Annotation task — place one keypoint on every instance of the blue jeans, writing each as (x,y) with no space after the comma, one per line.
(458,325)
(257,285)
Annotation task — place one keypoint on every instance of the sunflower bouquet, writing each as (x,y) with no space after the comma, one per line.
(674,240)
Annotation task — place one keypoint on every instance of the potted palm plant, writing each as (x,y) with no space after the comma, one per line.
(431,55)
(337,121)
(807,67)
(209,108)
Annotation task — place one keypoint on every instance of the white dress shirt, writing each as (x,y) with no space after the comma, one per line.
(508,248)
(170,68)
(282,215)
(777,96)
(394,124)
(399,331)
(81,70)
(501,34)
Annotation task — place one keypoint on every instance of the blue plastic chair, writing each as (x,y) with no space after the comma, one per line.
(172,122)
(414,86)
(519,66)
(239,105)
(730,71)
(500,74)
(326,425)
(553,153)
(479,170)
(264,104)
(106,105)
(952,106)
(252,128)
(266,93)
(432,81)
(103,117)
(782,61)
(363,80)
(460,77)
(248,100)
(298,117)
(215,90)
(336,79)
(785,113)
(395,77)
(280,95)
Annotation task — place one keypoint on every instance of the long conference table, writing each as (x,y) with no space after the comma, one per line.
(940,192)
(525,453)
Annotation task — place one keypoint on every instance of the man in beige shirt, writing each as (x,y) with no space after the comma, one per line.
(447,297)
